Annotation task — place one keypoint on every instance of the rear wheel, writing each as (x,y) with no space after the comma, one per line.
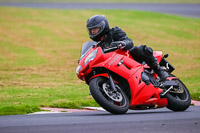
(115,102)
(179,98)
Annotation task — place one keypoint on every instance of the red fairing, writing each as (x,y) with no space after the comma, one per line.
(121,63)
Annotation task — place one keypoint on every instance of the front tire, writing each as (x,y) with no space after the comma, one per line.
(113,102)
(179,101)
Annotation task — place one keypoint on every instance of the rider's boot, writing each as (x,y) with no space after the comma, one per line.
(160,72)
(153,63)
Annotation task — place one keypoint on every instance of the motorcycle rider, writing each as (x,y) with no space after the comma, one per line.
(99,31)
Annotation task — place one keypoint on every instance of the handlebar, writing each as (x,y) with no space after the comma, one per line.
(110,49)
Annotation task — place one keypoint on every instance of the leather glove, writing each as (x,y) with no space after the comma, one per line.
(118,44)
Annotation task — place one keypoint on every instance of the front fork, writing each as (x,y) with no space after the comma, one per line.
(112,84)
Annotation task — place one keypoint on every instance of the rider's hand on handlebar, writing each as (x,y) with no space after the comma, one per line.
(118,44)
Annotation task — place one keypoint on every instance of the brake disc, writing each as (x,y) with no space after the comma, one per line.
(115,96)
(179,90)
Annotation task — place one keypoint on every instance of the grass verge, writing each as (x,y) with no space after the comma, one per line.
(39,49)
(15,110)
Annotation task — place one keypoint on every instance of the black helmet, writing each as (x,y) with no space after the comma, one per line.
(97,21)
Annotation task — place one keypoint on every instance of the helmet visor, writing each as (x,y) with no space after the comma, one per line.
(94,31)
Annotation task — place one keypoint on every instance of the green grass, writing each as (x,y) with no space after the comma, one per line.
(108,1)
(15,110)
(39,49)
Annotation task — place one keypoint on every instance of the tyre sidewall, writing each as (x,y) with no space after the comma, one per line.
(178,105)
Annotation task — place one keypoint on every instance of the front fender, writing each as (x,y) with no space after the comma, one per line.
(100,75)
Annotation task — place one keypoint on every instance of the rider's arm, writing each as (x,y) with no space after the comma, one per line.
(120,35)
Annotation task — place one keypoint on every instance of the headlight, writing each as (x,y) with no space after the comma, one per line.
(78,69)
(91,56)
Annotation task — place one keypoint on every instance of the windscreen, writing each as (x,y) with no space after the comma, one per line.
(86,47)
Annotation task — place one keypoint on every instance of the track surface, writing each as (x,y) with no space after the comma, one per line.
(188,10)
(149,121)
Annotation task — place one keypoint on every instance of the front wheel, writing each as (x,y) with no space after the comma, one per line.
(115,102)
(179,99)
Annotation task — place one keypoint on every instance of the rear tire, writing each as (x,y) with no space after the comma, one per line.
(101,97)
(178,102)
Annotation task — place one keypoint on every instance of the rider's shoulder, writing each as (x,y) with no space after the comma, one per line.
(116,29)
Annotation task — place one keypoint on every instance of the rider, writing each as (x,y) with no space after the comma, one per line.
(99,31)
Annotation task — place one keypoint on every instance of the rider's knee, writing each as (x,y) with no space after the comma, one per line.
(148,51)
(139,50)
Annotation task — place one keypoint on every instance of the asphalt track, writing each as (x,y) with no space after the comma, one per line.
(187,10)
(149,121)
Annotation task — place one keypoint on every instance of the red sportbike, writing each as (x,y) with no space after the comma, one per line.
(118,83)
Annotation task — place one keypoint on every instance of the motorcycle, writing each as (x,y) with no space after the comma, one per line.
(117,82)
